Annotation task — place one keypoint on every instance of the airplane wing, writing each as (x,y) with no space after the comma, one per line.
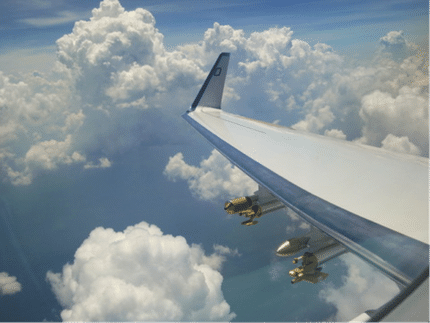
(371,201)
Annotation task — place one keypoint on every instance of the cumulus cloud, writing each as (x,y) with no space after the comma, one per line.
(313,123)
(400,144)
(330,94)
(8,284)
(114,83)
(118,59)
(37,130)
(368,103)
(216,260)
(395,44)
(218,178)
(335,133)
(364,288)
(215,178)
(297,223)
(405,115)
(141,274)
(48,154)
(317,83)
(114,60)
(103,163)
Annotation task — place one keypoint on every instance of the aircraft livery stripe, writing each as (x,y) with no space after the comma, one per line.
(399,257)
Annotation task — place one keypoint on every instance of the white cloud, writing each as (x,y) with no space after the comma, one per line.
(216,260)
(62,17)
(335,133)
(114,66)
(393,38)
(215,178)
(46,155)
(103,163)
(140,274)
(364,288)
(40,58)
(74,121)
(223,250)
(178,168)
(400,144)
(267,47)
(296,222)
(313,123)
(19,178)
(49,154)
(118,58)
(8,284)
(395,44)
(31,121)
(405,115)
(108,8)
(102,68)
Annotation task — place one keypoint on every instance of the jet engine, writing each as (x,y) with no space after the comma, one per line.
(309,270)
(292,246)
(324,254)
(253,206)
(240,204)
(302,274)
(314,240)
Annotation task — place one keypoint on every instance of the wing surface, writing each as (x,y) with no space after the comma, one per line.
(372,201)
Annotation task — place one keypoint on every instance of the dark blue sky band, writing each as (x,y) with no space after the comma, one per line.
(399,257)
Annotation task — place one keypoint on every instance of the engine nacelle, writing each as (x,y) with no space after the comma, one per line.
(239,204)
(292,246)
(250,207)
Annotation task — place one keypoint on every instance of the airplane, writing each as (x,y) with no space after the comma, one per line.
(359,199)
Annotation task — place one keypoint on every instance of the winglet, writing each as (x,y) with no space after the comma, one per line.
(210,94)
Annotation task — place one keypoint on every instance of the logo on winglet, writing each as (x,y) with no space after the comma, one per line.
(217,71)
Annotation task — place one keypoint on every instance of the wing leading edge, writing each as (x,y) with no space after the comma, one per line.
(349,192)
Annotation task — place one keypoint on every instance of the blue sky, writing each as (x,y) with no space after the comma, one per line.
(91,137)
(353,27)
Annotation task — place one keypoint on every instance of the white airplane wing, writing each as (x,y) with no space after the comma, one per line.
(372,201)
